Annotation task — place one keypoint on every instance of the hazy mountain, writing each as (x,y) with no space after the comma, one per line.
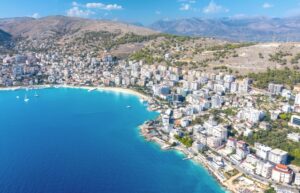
(238,29)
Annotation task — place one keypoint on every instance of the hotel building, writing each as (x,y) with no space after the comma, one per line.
(282,174)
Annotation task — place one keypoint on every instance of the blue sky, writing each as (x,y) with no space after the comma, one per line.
(148,11)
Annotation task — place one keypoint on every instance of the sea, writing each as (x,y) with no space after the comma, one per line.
(73,141)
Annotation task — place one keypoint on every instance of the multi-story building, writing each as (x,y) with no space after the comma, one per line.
(295,121)
(294,137)
(274,115)
(210,124)
(278,156)
(229,78)
(297,179)
(282,174)
(264,169)
(262,151)
(275,88)
(231,144)
(287,108)
(241,144)
(161,91)
(198,146)
(242,152)
(244,86)
(297,103)
(234,87)
(216,101)
(214,142)
(219,132)
(194,86)
(297,99)
(250,114)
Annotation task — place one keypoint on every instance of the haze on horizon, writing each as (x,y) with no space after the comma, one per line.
(149,11)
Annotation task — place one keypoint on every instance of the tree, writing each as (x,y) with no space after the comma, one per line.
(270,190)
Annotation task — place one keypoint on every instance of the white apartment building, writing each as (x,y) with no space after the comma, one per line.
(297,179)
(262,151)
(294,137)
(251,115)
(278,156)
(295,121)
(297,99)
(264,169)
(214,142)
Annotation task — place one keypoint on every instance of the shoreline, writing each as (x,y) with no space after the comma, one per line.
(125,91)
(129,91)
(92,88)
(199,161)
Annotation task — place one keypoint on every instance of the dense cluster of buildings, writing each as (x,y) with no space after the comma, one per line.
(189,96)
(53,68)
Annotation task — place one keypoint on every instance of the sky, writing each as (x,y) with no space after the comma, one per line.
(149,11)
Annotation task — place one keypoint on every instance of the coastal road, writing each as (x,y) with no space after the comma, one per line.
(253,176)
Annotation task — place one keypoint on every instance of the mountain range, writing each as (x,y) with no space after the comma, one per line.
(81,34)
(64,26)
(238,29)
(260,29)
(81,37)
(75,34)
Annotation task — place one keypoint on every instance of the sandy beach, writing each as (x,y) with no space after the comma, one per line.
(110,89)
(125,91)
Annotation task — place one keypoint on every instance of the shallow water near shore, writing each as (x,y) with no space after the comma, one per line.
(72,140)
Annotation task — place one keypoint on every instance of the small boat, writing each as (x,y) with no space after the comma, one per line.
(36,94)
(128,107)
(26,99)
(92,89)
(17,97)
(143,101)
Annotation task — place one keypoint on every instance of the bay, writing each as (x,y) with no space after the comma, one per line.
(75,141)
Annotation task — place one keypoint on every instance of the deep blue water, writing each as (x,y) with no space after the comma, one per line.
(73,141)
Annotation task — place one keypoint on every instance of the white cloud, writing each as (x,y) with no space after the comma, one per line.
(88,9)
(185,7)
(103,6)
(75,4)
(77,12)
(158,12)
(187,1)
(267,5)
(36,15)
(213,8)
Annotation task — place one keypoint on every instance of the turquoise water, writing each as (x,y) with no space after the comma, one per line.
(74,141)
